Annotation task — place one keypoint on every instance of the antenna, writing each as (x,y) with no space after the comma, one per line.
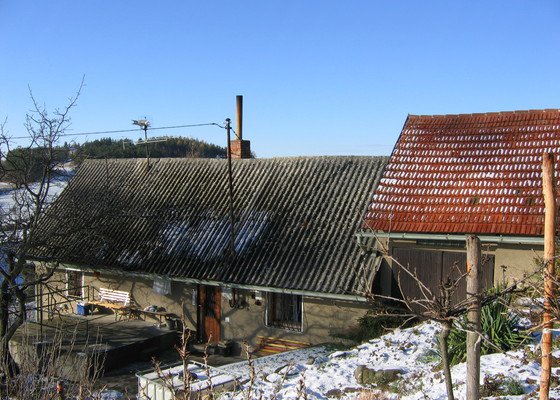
(151,141)
(144,124)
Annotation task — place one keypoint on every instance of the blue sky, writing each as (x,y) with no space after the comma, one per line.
(318,77)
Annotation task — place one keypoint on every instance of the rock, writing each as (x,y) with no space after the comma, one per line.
(310,361)
(289,370)
(366,376)
(334,393)
(279,369)
(272,377)
(358,374)
(111,395)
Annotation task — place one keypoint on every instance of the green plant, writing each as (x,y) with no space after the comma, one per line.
(491,386)
(513,387)
(500,329)
(371,326)
(429,357)
(499,385)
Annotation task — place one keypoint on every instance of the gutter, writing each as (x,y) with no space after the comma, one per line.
(307,293)
(536,240)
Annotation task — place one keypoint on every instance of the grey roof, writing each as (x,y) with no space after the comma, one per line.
(296,220)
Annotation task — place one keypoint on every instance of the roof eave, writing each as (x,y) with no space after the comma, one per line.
(307,293)
(532,240)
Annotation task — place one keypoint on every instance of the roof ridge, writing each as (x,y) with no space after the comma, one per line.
(171,159)
(490,113)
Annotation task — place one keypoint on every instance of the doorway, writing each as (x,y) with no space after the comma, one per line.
(209,304)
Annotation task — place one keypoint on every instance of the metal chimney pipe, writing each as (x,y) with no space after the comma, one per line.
(239,131)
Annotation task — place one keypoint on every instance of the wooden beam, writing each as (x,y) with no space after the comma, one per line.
(549,193)
(474,274)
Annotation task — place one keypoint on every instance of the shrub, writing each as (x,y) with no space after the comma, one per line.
(513,387)
(501,386)
(499,326)
(429,357)
(372,326)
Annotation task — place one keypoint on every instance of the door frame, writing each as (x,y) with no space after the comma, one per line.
(209,324)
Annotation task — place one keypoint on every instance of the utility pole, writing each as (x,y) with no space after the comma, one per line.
(474,272)
(230,184)
(549,190)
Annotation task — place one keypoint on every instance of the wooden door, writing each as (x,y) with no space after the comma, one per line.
(434,266)
(209,303)
(454,266)
(426,265)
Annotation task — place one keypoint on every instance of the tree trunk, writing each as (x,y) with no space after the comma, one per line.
(473,317)
(443,348)
(8,365)
(548,258)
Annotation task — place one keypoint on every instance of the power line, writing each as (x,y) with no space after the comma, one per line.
(129,130)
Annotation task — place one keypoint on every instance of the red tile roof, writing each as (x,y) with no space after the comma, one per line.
(468,173)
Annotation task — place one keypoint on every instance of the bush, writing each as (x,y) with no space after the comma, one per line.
(372,326)
(500,327)
(501,386)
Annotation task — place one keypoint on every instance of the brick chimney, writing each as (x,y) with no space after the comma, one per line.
(240,148)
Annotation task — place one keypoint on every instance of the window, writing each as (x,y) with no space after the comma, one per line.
(74,283)
(284,311)
(162,285)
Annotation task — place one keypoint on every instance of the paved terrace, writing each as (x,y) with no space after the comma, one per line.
(129,346)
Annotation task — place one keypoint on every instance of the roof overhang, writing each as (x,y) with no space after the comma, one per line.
(307,293)
(532,240)
(332,296)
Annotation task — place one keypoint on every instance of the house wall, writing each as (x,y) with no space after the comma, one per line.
(323,320)
(517,259)
(141,289)
(143,295)
(53,296)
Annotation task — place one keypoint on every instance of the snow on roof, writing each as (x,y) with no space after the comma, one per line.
(467,173)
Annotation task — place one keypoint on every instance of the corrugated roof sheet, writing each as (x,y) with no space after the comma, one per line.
(295,228)
(473,173)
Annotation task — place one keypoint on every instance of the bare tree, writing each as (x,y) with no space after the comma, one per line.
(30,171)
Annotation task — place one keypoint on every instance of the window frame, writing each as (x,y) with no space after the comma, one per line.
(72,295)
(288,325)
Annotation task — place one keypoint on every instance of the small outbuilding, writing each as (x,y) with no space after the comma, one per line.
(454,175)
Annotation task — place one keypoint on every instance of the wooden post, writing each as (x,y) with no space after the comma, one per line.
(230,187)
(474,272)
(549,189)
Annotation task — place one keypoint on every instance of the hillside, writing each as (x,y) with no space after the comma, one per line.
(158,147)
(411,353)
(25,165)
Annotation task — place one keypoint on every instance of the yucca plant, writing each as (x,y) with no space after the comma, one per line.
(499,326)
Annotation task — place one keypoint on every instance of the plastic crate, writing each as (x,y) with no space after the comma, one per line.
(82,309)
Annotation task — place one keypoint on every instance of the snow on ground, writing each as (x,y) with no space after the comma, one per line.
(328,374)
(9,196)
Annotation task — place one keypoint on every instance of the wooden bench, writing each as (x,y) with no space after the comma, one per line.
(270,345)
(116,300)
